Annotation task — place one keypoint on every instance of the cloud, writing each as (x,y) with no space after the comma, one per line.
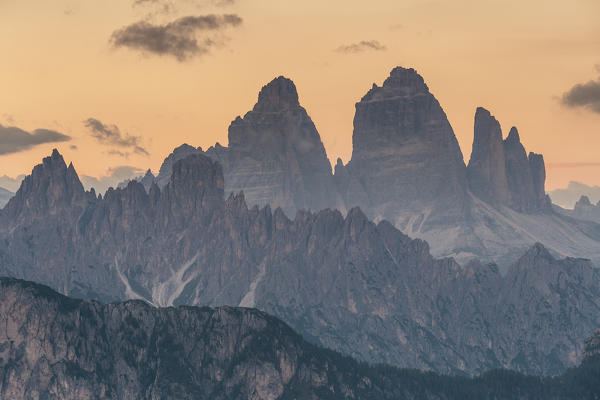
(574,165)
(585,95)
(178,38)
(14,140)
(73,147)
(11,184)
(123,154)
(111,135)
(168,6)
(8,118)
(364,45)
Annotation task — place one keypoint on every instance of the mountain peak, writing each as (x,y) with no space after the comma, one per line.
(538,250)
(279,94)
(51,185)
(513,136)
(405,155)
(401,82)
(487,126)
(583,201)
(179,153)
(486,169)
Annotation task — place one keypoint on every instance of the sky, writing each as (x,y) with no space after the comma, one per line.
(117,84)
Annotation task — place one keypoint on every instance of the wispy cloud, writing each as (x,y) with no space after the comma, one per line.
(14,140)
(170,6)
(182,38)
(364,45)
(574,165)
(111,135)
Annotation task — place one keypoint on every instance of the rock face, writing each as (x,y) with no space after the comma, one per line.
(405,160)
(584,209)
(55,347)
(500,172)
(51,187)
(323,273)
(592,346)
(275,155)
(487,167)
(166,169)
(525,175)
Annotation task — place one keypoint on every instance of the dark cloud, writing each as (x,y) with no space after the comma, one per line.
(585,95)
(14,140)
(111,135)
(364,45)
(74,147)
(179,39)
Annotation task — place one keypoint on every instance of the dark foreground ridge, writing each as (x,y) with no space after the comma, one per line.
(55,347)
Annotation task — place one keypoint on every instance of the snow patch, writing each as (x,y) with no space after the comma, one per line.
(249,300)
(165,293)
(129,292)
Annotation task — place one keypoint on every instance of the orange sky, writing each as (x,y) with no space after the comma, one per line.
(515,58)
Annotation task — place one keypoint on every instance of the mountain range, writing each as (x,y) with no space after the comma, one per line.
(342,281)
(55,347)
(584,209)
(406,168)
(567,197)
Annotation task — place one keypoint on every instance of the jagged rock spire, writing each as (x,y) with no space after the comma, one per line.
(486,170)
(50,187)
(501,173)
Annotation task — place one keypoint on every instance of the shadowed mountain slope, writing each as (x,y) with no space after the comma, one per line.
(55,347)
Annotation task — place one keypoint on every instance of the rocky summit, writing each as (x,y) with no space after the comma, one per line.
(487,167)
(275,155)
(584,209)
(406,161)
(323,273)
(55,347)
